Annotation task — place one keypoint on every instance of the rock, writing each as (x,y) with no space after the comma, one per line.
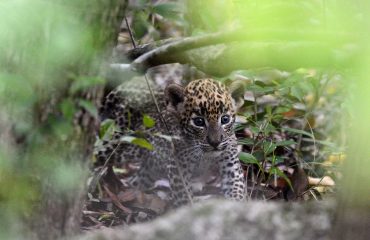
(222,219)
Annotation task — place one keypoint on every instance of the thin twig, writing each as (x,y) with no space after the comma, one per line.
(173,145)
(164,122)
(156,105)
(130,32)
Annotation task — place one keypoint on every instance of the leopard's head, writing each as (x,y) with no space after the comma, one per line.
(206,112)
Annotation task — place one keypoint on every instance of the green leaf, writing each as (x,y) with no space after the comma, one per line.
(107,128)
(247,158)
(246,141)
(255,130)
(89,106)
(275,160)
(238,127)
(268,147)
(297,92)
(68,109)
(141,142)
(285,143)
(293,130)
(282,109)
(148,121)
(268,129)
(259,155)
(169,10)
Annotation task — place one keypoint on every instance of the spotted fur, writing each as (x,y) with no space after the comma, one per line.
(200,116)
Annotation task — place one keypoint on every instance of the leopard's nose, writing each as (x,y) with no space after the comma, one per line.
(214,142)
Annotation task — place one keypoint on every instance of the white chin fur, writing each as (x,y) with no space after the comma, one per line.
(212,154)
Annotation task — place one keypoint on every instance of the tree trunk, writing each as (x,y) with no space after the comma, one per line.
(59,212)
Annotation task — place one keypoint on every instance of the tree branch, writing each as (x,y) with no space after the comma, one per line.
(220,53)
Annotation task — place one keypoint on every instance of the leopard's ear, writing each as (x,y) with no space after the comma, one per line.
(237,90)
(174,94)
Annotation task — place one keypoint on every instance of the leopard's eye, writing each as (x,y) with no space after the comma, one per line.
(225,119)
(199,121)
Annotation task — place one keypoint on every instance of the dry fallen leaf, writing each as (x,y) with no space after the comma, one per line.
(325,181)
(116,200)
(128,195)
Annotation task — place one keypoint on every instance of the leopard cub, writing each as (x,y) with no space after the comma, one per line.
(201,117)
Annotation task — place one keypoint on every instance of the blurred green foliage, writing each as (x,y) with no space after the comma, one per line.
(50,51)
